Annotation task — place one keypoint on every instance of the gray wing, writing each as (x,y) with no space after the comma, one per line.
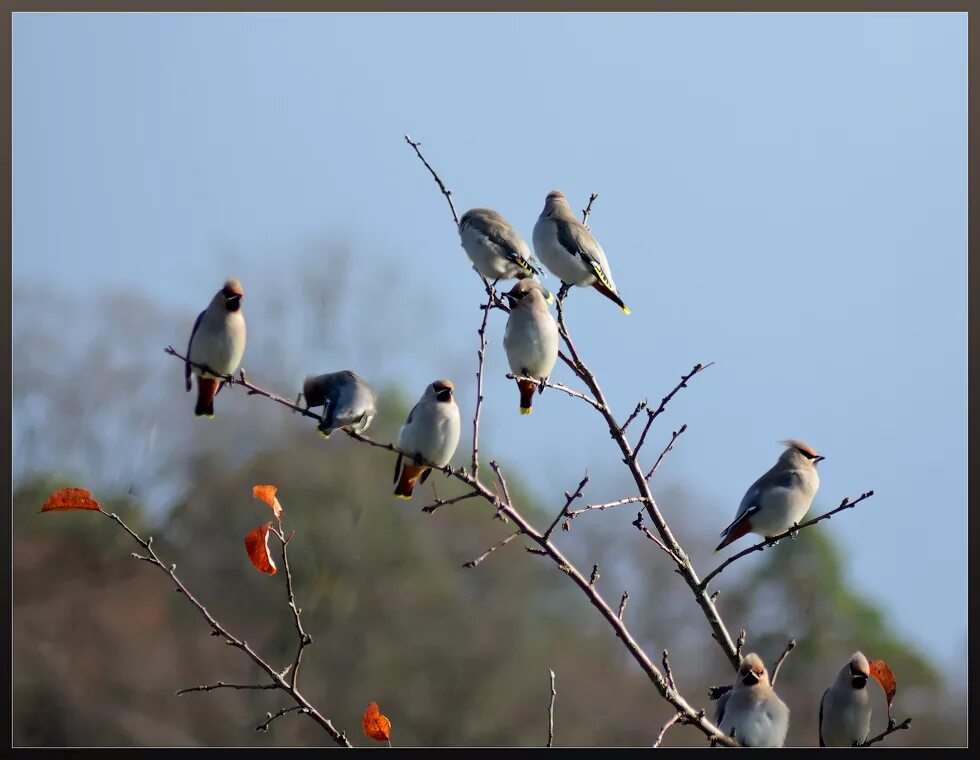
(781,479)
(187,364)
(820,719)
(498,232)
(412,413)
(720,708)
(577,240)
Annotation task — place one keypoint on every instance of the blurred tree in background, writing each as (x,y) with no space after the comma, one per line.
(454,656)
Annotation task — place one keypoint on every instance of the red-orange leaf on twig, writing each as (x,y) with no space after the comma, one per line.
(268,495)
(70,498)
(376,725)
(884,676)
(257,546)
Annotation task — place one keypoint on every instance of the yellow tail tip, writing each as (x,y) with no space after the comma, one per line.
(403,496)
(626,310)
(326,436)
(525,410)
(208,416)
(550,298)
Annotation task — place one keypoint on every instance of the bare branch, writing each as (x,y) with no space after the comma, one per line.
(667,671)
(779,662)
(556,386)
(551,711)
(218,630)
(492,549)
(588,209)
(595,575)
(304,638)
(674,437)
(569,498)
(639,408)
(651,416)
(475,468)
(443,502)
(443,189)
(622,604)
(638,523)
(600,507)
(740,644)
(676,717)
(892,728)
(845,504)
(271,717)
(223,685)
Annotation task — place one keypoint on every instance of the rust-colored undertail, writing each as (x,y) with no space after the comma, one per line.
(409,476)
(737,530)
(206,390)
(612,297)
(527,389)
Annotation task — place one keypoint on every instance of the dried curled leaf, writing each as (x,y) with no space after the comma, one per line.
(70,498)
(376,725)
(257,546)
(884,676)
(268,495)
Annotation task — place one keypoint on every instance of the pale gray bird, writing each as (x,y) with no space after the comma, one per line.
(778,500)
(757,715)
(429,435)
(347,401)
(845,708)
(570,251)
(218,342)
(494,247)
(530,338)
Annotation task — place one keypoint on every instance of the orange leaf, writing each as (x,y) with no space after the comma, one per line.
(376,725)
(884,676)
(268,495)
(257,546)
(70,498)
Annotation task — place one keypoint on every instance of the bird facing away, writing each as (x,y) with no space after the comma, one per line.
(759,717)
(570,251)
(217,342)
(530,338)
(347,401)
(845,708)
(494,247)
(429,435)
(778,500)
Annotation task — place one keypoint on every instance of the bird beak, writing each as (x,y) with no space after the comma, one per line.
(511,301)
(818,459)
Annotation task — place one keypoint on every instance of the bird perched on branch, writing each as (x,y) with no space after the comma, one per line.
(217,342)
(752,709)
(845,708)
(530,338)
(347,401)
(778,500)
(494,247)
(570,251)
(429,435)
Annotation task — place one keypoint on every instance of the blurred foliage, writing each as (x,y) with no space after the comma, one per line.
(453,656)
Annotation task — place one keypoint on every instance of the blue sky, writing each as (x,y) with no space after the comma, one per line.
(783,194)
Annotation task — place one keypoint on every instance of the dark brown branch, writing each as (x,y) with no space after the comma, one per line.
(443,502)
(638,524)
(674,437)
(303,637)
(223,685)
(892,728)
(492,549)
(779,662)
(595,575)
(218,630)
(569,498)
(551,710)
(639,408)
(481,354)
(651,416)
(271,717)
(622,604)
(845,504)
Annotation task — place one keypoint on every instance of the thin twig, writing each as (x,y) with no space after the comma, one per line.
(845,504)
(219,630)
(668,674)
(588,209)
(663,729)
(638,524)
(304,638)
(482,332)
(569,498)
(595,575)
(740,643)
(779,662)
(492,549)
(271,717)
(892,728)
(651,416)
(639,408)
(556,386)
(600,507)
(223,685)
(622,604)
(551,710)
(429,508)
(674,437)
